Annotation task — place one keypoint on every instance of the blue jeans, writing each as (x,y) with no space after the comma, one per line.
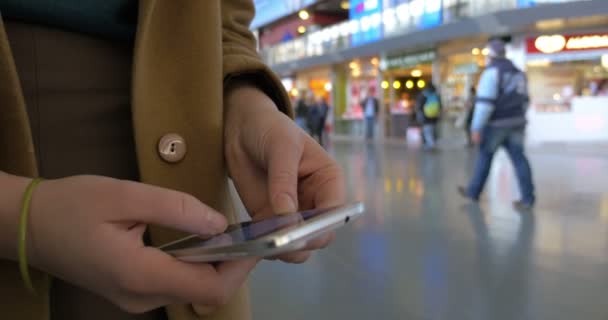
(428,130)
(512,139)
(370,122)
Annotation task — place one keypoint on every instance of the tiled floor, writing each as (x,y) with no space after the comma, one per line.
(421,252)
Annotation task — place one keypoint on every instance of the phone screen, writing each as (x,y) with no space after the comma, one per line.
(248,231)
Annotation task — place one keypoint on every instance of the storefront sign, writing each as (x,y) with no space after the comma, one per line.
(406,61)
(368,17)
(533,3)
(268,11)
(421,14)
(562,43)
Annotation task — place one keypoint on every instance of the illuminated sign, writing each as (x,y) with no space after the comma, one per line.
(407,61)
(534,3)
(368,16)
(587,42)
(268,11)
(560,43)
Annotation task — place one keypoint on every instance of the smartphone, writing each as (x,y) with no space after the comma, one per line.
(264,238)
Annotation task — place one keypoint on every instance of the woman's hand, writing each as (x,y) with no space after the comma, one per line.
(88,231)
(276,167)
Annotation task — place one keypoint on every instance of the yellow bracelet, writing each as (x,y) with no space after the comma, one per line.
(22,244)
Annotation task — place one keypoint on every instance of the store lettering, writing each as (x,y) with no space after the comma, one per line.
(550,44)
(371,5)
(407,61)
(558,43)
(587,42)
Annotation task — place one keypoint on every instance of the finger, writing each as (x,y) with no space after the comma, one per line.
(304,254)
(184,282)
(283,153)
(172,209)
(324,183)
(203,310)
(320,242)
(296,257)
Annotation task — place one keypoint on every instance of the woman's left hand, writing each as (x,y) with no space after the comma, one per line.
(276,167)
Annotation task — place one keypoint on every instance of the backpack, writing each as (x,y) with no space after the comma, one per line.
(432,106)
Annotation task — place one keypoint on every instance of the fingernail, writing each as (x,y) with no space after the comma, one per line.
(284,204)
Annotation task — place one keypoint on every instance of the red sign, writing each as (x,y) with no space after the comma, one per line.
(556,43)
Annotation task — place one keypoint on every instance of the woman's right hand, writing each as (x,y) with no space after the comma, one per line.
(88,231)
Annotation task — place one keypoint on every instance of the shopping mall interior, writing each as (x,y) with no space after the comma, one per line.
(422,251)
(304,159)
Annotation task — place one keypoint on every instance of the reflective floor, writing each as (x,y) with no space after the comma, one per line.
(422,252)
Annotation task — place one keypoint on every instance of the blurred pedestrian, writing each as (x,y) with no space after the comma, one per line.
(322,108)
(428,111)
(301,113)
(315,115)
(371,107)
(500,121)
(470,110)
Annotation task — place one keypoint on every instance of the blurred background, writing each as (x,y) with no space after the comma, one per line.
(421,251)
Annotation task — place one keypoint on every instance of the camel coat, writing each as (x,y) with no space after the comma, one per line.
(185,54)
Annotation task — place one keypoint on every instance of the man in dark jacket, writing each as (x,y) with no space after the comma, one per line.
(500,120)
(371,108)
(301,113)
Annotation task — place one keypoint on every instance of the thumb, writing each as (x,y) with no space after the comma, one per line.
(173,209)
(284,156)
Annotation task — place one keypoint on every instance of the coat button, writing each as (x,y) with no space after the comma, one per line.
(172,148)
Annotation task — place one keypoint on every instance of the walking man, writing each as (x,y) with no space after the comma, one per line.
(500,121)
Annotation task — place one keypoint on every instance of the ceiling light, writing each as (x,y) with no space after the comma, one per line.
(345,5)
(303,14)
(397,85)
(301,29)
(475,51)
(384,85)
(417,73)
(485,51)
(409,84)
(421,84)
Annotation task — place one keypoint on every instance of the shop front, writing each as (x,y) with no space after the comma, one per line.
(404,76)
(462,63)
(354,81)
(568,82)
(316,82)
(308,86)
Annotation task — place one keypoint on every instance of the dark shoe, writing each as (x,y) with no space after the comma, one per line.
(463,192)
(522,206)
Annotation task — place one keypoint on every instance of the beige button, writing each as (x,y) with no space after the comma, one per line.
(172,148)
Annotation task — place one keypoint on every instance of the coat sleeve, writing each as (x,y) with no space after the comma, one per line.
(241,61)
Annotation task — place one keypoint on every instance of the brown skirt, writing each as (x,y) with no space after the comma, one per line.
(77,91)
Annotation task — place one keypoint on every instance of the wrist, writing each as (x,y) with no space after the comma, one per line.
(10,208)
(243,102)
